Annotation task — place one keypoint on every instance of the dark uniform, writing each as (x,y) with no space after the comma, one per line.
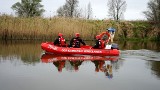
(97,44)
(60,41)
(100,44)
(76,41)
(56,41)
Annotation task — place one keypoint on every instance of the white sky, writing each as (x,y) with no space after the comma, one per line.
(99,7)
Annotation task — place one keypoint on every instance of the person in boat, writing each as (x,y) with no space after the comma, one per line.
(111,31)
(76,41)
(60,41)
(100,44)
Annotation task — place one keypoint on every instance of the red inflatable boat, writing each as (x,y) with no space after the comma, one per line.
(49,47)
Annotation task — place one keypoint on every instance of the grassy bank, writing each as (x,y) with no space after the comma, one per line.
(48,28)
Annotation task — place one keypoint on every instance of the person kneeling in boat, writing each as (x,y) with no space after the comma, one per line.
(76,41)
(100,44)
(60,41)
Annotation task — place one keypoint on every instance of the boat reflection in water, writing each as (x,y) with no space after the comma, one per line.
(102,63)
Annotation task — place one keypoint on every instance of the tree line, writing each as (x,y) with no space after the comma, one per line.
(116,9)
(31,8)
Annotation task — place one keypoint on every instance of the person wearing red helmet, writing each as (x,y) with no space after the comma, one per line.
(77,35)
(60,41)
(76,41)
(60,34)
(99,43)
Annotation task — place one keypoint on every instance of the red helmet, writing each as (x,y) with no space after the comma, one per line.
(60,34)
(98,37)
(77,34)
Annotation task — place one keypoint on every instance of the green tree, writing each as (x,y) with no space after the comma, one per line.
(28,8)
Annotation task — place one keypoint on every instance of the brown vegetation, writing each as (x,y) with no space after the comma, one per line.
(48,28)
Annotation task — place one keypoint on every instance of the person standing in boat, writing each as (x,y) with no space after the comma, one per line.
(111,31)
(76,41)
(100,44)
(60,41)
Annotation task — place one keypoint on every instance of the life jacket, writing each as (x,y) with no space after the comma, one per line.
(76,43)
(62,41)
(101,44)
(108,35)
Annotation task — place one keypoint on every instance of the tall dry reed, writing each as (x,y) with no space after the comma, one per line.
(48,28)
(43,28)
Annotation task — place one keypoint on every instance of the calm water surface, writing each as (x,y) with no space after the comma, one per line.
(23,66)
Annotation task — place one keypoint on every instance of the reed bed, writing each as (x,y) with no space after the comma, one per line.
(35,28)
(43,28)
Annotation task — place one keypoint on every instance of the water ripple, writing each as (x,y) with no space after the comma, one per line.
(141,54)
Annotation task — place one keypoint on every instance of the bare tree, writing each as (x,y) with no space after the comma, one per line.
(78,13)
(153,13)
(89,11)
(116,9)
(69,9)
(60,11)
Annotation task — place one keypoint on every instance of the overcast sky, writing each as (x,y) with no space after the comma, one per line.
(99,7)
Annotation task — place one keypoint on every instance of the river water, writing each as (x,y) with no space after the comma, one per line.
(24,66)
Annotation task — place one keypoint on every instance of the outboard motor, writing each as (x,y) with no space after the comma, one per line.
(114,46)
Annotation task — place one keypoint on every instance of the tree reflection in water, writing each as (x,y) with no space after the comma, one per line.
(155,67)
(26,51)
